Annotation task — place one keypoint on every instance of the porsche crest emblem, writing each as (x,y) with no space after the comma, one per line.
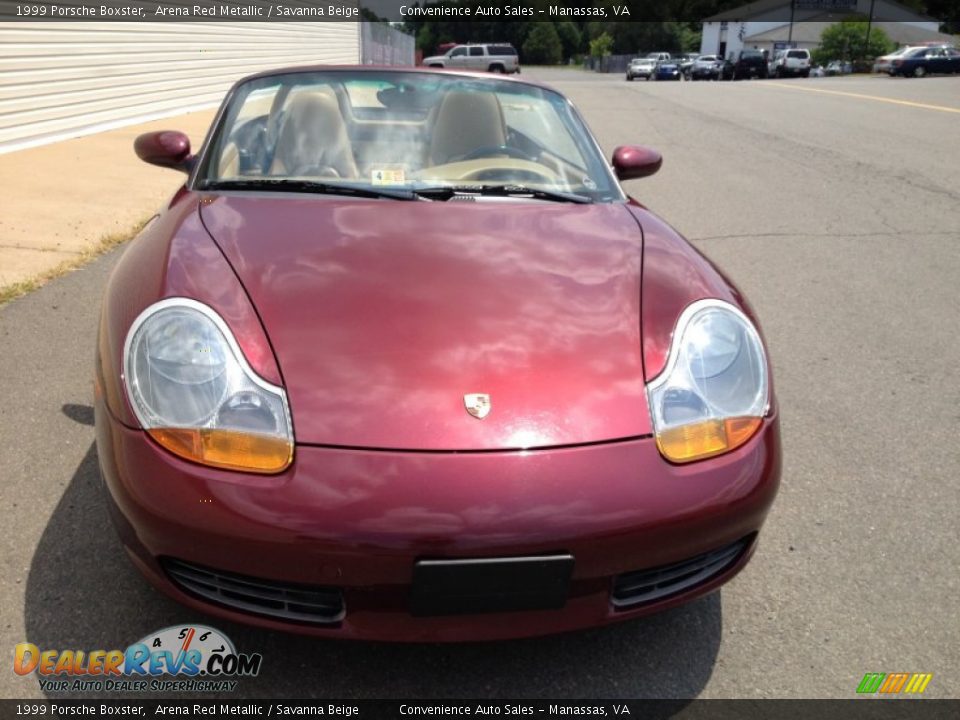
(477,404)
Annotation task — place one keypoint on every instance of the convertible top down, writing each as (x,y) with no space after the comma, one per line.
(402,361)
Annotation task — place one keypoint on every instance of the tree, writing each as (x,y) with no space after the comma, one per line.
(690,37)
(641,37)
(569,36)
(426,40)
(543,46)
(601,45)
(846,40)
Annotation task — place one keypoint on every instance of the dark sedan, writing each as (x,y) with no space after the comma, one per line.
(401,360)
(927,61)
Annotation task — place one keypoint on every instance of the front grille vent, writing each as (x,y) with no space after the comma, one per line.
(643,587)
(286,601)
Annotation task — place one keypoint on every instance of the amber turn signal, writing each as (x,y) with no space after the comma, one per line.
(706,439)
(227,448)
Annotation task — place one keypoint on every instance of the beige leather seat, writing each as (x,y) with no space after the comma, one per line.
(313,139)
(465,121)
(230,162)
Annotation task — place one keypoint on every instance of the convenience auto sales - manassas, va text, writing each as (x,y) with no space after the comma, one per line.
(448,11)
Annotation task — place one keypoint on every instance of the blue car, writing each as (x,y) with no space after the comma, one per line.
(667,71)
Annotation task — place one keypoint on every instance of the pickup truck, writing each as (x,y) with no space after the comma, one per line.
(494,57)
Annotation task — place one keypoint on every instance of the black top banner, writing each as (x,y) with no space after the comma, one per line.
(864,709)
(722,11)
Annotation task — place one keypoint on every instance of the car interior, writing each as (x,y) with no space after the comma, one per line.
(330,131)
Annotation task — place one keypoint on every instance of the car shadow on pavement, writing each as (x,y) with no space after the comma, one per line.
(83,593)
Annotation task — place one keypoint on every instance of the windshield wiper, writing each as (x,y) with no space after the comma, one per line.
(446,192)
(305,186)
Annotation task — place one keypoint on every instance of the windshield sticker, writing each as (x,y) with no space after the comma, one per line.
(387,176)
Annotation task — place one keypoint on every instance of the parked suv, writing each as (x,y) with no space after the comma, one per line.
(792,62)
(640,67)
(495,57)
(745,64)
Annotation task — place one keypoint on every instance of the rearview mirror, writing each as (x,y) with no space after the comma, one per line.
(166,148)
(635,161)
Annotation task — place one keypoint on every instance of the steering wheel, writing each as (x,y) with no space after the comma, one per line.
(493,150)
(315,171)
(510,175)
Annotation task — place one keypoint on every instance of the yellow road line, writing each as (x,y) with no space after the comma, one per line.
(908,103)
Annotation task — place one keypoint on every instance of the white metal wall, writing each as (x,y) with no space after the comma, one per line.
(60,80)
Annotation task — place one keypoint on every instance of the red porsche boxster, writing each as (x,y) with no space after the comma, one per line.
(402,361)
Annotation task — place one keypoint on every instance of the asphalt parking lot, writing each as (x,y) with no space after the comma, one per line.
(835,205)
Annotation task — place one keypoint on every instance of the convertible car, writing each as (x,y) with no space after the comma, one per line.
(401,360)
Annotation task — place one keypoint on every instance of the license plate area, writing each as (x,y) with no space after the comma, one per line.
(488,585)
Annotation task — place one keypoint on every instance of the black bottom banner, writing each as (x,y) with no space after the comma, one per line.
(854,709)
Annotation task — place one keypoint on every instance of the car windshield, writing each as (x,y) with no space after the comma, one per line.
(402,131)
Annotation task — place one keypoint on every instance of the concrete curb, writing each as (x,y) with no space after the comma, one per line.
(64,201)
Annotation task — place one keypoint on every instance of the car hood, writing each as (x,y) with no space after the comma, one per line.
(384,314)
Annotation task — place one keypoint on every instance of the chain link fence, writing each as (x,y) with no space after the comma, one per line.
(383,45)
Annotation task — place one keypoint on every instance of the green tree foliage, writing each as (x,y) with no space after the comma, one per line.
(847,40)
(426,38)
(570,38)
(641,37)
(690,35)
(432,32)
(601,45)
(543,46)
(947,12)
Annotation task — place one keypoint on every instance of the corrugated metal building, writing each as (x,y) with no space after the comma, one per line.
(60,80)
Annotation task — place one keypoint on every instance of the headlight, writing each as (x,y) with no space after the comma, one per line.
(713,394)
(194,393)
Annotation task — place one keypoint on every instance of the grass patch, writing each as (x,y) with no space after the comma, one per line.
(104,245)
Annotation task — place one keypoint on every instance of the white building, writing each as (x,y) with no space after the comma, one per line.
(766,24)
(64,79)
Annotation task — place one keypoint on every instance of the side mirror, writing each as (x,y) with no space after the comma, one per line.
(166,148)
(635,161)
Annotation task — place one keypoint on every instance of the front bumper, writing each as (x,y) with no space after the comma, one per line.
(356,522)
